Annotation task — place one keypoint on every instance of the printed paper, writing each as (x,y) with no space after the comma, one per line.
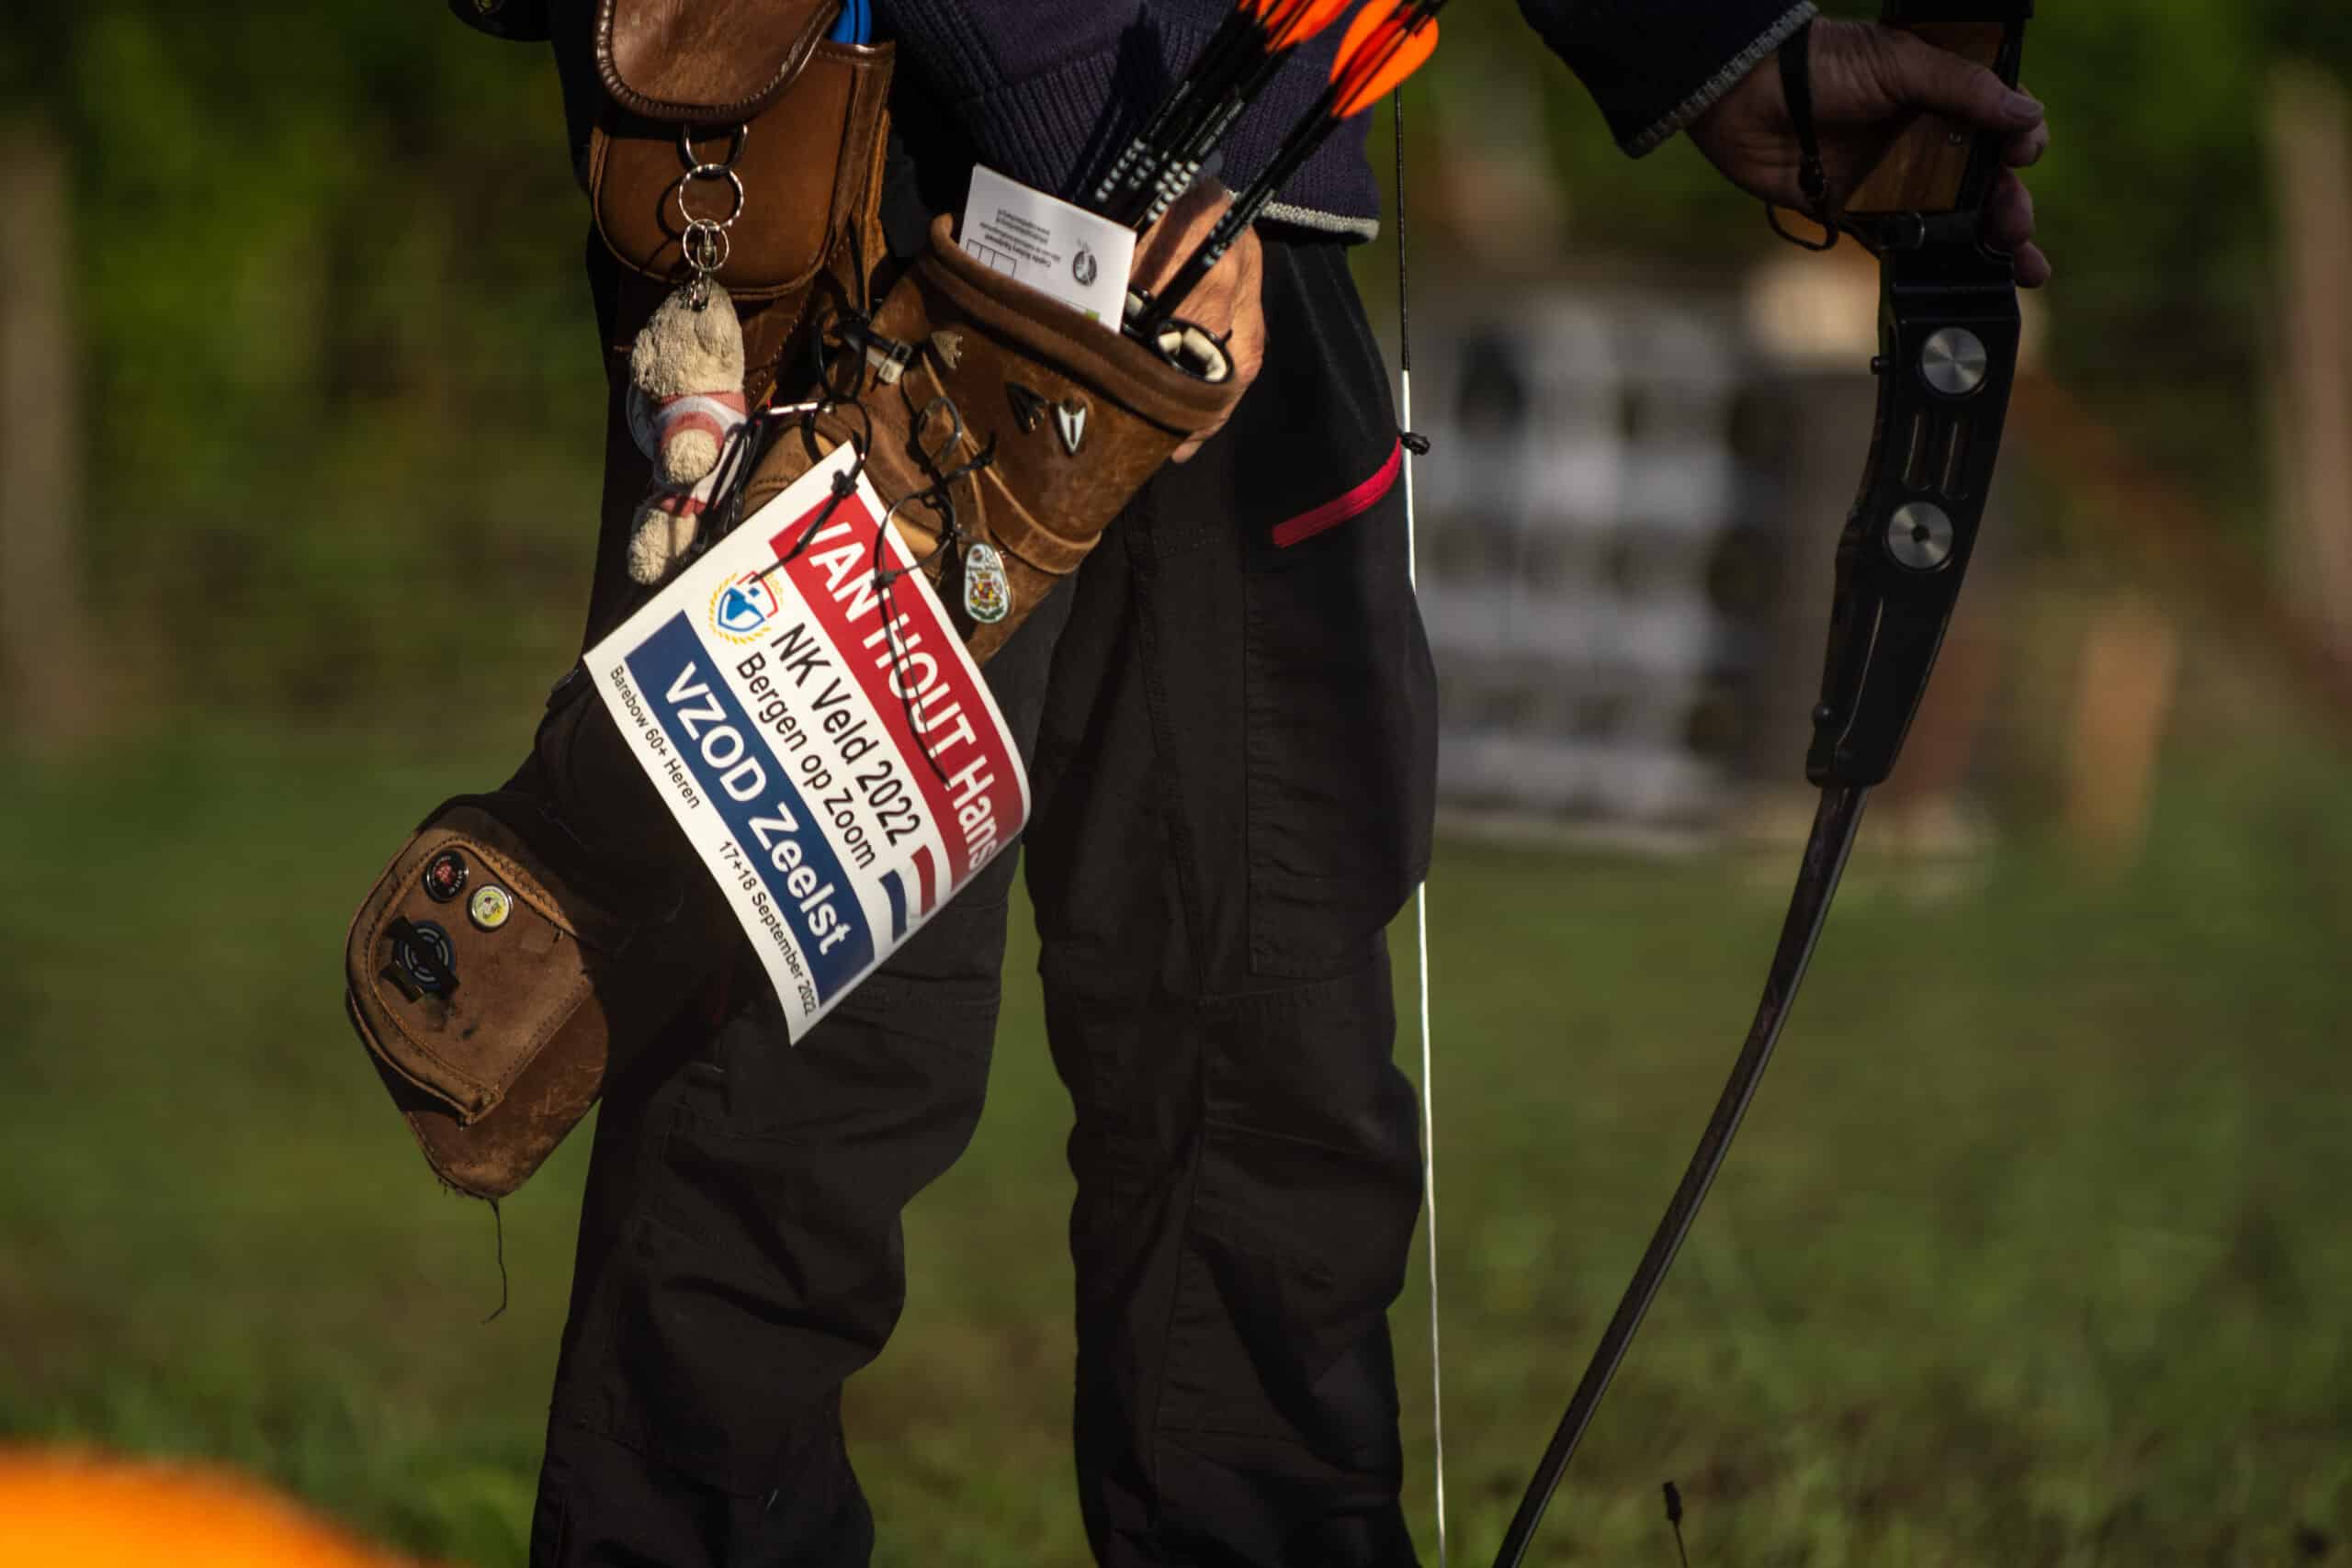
(784,712)
(1077,256)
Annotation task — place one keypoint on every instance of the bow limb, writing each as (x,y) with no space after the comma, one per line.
(1948,333)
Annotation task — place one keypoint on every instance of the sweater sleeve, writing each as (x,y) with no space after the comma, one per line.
(1037,84)
(1656,66)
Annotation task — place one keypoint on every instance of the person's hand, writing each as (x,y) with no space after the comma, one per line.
(1870,82)
(1226,303)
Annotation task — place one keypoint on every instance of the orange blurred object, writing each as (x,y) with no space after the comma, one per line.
(83,1510)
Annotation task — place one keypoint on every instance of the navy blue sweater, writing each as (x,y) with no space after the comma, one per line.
(1044,89)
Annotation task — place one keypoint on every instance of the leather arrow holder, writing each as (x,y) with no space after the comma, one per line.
(962,363)
(742,113)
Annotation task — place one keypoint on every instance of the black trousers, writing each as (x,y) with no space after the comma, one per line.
(1228,713)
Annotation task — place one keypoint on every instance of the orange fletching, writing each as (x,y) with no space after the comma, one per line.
(1359,37)
(1310,19)
(1381,76)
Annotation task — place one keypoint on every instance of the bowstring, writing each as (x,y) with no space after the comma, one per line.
(1410,444)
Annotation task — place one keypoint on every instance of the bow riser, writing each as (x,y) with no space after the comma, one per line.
(1949,334)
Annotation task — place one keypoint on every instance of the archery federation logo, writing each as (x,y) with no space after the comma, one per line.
(741,610)
(1083,268)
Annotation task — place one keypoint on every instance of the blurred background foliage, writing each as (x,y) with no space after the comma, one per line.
(326,257)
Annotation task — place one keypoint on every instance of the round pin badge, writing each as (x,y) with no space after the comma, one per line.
(445,877)
(489,908)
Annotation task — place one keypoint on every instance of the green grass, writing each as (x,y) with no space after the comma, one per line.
(2032,1251)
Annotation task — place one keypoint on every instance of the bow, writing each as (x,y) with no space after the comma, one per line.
(1948,332)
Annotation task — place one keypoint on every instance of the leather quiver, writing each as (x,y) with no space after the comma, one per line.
(742,113)
(1038,422)
(509,959)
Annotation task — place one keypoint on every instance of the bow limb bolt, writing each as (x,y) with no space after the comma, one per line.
(1948,332)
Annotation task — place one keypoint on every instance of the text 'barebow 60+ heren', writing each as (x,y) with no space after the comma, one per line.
(1949,330)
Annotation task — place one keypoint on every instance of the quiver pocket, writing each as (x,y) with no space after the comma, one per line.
(510,958)
(741,114)
(993,415)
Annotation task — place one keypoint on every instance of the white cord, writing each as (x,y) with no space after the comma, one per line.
(1421,974)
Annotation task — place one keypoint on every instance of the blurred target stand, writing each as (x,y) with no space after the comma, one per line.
(1628,528)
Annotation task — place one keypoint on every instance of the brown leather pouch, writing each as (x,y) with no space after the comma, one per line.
(1032,422)
(464,974)
(741,113)
(523,945)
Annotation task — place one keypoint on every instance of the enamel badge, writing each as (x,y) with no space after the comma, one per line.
(489,908)
(1069,419)
(988,592)
(444,878)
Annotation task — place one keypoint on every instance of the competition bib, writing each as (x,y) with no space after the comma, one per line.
(808,714)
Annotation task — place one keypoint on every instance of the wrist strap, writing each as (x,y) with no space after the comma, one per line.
(1812,178)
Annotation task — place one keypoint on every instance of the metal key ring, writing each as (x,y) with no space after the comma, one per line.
(678,189)
(695,162)
(704,245)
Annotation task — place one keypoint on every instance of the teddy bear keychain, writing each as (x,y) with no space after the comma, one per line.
(685,400)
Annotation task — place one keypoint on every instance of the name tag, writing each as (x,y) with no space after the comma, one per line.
(812,721)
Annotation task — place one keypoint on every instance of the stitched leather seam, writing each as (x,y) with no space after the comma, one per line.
(787,71)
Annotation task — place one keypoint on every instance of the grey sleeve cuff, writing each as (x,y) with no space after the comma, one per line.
(1733,71)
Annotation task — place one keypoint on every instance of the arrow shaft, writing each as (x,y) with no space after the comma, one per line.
(1349,79)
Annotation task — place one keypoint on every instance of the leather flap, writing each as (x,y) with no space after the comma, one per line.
(493,1156)
(805,167)
(469,956)
(705,62)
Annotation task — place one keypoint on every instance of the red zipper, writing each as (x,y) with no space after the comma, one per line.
(1341,509)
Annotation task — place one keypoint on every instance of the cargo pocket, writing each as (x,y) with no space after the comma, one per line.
(1341,731)
(1307,1191)
(746,1287)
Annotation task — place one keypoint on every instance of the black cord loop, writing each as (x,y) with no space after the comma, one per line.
(1812,176)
